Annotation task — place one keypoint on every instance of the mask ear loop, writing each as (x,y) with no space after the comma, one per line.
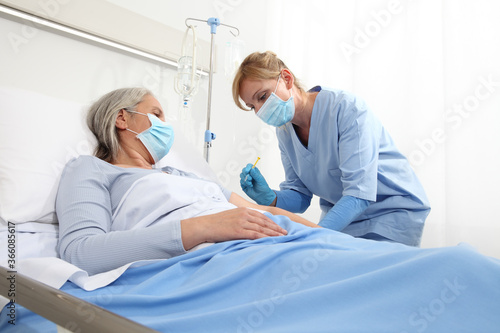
(132,131)
(277,84)
(132,111)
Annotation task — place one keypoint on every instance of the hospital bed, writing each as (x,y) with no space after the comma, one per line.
(312,280)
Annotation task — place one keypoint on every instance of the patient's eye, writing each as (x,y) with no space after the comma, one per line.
(157,112)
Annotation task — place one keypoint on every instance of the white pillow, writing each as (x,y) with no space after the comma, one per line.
(38,135)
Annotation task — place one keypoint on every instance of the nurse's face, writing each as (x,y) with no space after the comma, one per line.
(255,92)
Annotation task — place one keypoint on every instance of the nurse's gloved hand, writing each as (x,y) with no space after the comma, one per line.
(255,186)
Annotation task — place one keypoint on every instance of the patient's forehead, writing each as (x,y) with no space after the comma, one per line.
(150,104)
(150,101)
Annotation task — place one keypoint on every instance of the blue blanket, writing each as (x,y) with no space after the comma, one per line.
(312,280)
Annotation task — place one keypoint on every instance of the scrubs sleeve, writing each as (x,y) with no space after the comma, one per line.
(292,201)
(359,140)
(343,213)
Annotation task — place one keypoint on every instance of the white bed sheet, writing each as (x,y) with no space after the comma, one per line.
(40,261)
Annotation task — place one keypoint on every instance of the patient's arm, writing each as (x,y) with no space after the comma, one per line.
(84,211)
(237,223)
(239,201)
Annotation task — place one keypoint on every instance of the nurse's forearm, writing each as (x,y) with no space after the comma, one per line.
(292,200)
(344,212)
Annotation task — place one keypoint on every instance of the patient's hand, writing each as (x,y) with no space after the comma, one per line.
(241,202)
(238,223)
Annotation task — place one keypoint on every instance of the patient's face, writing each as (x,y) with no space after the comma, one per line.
(148,105)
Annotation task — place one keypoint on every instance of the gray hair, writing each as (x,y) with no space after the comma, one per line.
(101,119)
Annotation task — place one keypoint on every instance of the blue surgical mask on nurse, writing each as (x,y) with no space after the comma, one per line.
(275,111)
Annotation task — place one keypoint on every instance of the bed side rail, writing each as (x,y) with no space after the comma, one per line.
(65,310)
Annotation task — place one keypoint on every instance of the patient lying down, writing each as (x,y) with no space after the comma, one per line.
(115,208)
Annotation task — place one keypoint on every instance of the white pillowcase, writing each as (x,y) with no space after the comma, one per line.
(38,135)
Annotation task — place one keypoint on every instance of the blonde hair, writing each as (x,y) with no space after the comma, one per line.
(259,66)
(101,119)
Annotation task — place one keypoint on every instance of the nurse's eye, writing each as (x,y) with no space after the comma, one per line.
(263,97)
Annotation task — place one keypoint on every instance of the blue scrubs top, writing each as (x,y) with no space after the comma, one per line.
(350,153)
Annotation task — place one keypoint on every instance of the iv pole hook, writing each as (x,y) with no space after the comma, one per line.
(233,30)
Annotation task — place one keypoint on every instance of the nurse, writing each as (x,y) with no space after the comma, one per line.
(334,147)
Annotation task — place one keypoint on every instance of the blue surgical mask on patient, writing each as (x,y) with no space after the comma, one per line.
(157,139)
(275,111)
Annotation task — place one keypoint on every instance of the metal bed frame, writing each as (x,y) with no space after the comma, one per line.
(68,312)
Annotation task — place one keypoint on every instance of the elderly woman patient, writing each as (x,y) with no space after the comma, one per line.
(115,208)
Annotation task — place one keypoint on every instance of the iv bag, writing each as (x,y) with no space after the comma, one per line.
(186,79)
(186,84)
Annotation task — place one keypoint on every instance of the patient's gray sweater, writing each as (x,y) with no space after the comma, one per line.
(90,192)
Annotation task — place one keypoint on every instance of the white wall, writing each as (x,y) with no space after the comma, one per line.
(431,56)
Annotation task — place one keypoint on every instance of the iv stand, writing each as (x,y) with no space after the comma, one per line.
(213,22)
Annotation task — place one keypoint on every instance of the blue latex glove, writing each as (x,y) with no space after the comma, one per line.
(343,213)
(255,186)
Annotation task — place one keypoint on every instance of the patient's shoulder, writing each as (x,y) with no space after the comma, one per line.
(82,161)
(88,169)
(86,164)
